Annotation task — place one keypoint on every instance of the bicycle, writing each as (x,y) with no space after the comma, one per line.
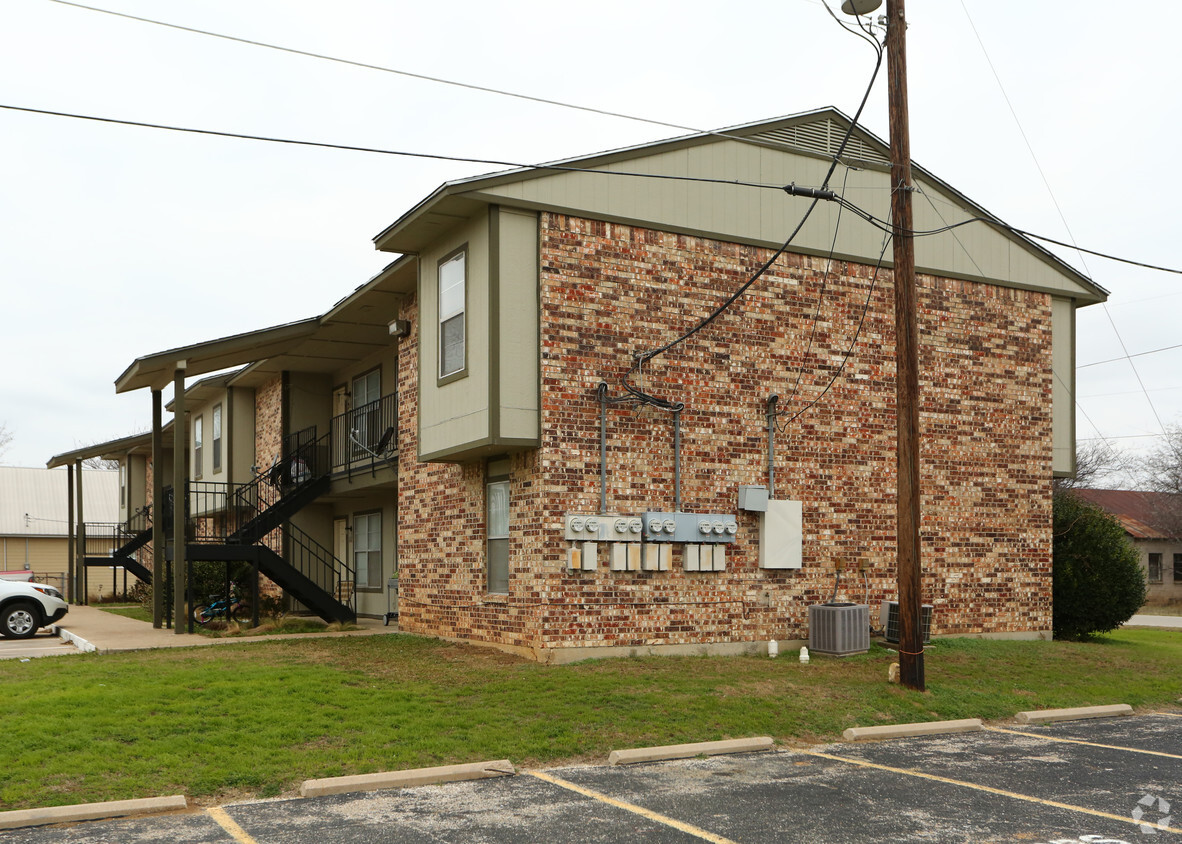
(235,609)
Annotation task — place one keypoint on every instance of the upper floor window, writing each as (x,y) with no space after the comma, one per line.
(217,437)
(1155,568)
(198,439)
(452,305)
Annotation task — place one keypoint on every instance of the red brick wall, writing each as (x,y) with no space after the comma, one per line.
(268,422)
(608,290)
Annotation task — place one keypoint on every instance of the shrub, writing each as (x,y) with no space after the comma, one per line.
(1098,580)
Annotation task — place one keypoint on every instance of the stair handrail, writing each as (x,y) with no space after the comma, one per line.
(309,551)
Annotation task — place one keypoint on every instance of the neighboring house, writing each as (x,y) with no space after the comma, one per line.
(449,417)
(1152,520)
(34,521)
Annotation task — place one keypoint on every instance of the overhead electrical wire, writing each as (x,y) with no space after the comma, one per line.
(861,212)
(640,358)
(413,75)
(379,151)
(1062,216)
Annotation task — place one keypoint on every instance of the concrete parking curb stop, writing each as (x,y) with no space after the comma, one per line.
(927,728)
(1049,716)
(91,811)
(688,751)
(406,779)
(75,640)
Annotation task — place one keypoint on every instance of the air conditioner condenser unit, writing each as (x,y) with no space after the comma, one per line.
(839,629)
(889,621)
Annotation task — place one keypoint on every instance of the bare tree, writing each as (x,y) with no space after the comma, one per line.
(5,439)
(1096,462)
(1161,471)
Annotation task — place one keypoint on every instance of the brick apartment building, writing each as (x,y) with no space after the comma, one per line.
(530,508)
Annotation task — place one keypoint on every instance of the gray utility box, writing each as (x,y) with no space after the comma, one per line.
(698,528)
(839,629)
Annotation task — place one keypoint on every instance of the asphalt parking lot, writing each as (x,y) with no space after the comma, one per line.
(44,643)
(1098,781)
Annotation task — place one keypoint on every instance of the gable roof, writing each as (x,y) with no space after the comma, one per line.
(772,153)
(1144,515)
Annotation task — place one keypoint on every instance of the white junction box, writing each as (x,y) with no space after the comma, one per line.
(781,535)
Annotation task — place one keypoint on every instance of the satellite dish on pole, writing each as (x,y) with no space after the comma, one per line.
(860,7)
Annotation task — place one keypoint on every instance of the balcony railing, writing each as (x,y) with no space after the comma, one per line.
(365,438)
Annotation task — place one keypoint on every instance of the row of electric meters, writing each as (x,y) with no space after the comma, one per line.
(647,556)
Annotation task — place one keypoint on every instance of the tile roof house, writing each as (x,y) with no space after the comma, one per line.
(1153,520)
(530,500)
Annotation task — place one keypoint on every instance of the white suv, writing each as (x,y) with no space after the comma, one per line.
(27,607)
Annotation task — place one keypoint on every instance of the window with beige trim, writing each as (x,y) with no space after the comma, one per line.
(453,283)
(367,550)
(198,436)
(497,516)
(217,438)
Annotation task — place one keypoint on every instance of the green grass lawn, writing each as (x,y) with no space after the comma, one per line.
(257,719)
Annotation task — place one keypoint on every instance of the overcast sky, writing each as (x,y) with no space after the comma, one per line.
(117,242)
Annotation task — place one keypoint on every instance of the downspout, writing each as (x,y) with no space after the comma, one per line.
(677,461)
(771,446)
(602,391)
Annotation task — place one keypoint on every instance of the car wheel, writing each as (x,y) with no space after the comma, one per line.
(19,621)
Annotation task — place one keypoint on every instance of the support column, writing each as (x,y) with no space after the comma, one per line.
(70,589)
(159,539)
(180,448)
(80,549)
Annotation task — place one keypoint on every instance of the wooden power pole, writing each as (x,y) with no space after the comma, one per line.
(911,672)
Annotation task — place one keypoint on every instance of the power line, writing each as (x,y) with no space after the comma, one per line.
(1059,209)
(412,75)
(1126,357)
(379,151)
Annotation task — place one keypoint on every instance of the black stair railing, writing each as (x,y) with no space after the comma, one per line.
(365,438)
(318,564)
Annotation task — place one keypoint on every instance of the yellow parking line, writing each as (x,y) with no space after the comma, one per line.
(632,807)
(1086,743)
(227,823)
(987,789)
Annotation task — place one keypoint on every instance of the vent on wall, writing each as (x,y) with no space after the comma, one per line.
(889,620)
(824,138)
(839,629)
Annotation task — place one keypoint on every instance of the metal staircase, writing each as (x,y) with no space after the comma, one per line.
(251,523)
(121,543)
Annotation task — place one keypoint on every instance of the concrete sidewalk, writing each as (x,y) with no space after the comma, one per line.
(94,630)
(1171,621)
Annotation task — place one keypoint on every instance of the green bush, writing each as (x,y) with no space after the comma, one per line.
(1098,581)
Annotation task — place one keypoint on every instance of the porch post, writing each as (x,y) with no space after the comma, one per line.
(80,547)
(70,590)
(180,484)
(159,540)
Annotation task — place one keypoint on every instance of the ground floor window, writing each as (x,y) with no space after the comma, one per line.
(367,550)
(497,515)
(1177,569)
(1155,568)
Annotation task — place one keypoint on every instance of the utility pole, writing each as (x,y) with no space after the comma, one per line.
(911,672)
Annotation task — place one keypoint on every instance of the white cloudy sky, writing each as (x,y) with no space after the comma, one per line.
(117,242)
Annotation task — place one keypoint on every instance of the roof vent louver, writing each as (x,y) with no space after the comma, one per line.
(823,137)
